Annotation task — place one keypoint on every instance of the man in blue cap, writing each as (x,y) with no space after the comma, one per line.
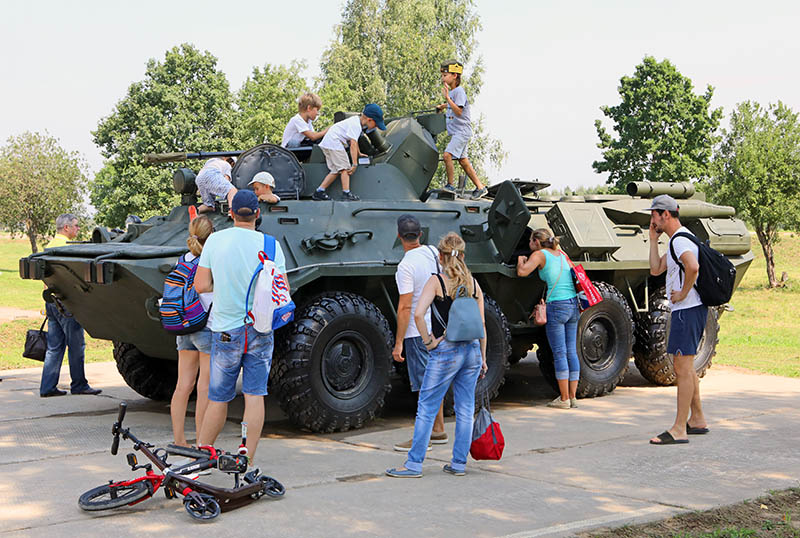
(339,136)
(227,264)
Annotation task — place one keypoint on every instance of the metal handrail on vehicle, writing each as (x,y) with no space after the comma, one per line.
(456,212)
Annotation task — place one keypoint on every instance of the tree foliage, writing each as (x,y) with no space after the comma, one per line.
(39,180)
(183,103)
(665,132)
(389,52)
(266,102)
(757,171)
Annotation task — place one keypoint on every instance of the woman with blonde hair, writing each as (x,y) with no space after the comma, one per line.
(193,349)
(562,311)
(458,362)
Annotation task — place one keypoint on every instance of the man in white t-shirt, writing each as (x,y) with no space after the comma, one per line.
(300,127)
(413,271)
(688,317)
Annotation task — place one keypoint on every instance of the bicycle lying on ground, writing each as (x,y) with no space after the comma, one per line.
(202,501)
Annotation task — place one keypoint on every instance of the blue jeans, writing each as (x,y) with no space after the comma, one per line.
(63,332)
(416,361)
(459,363)
(228,357)
(562,333)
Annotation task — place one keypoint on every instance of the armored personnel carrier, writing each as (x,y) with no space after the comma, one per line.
(332,365)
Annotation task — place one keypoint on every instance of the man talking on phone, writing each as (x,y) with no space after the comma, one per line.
(226,265)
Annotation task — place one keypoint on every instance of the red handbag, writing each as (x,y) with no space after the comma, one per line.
(487,439)
(587,292)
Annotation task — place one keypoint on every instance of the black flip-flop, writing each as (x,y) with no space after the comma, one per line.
(667,439)
(696,431)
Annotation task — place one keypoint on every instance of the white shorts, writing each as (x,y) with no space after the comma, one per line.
(336,159)
(457,147)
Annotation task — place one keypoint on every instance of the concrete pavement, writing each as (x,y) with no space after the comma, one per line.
(563,471)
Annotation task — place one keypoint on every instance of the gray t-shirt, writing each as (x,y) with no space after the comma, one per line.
(458,125)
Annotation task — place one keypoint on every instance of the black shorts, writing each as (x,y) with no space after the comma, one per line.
(686,330)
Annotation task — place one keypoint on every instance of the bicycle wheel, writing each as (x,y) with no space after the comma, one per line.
(113,496)
(201,506)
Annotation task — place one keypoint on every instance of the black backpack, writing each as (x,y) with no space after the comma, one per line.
(717,274)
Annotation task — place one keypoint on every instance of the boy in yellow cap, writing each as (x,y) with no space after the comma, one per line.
(459,126)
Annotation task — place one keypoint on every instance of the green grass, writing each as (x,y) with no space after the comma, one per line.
(12,342)
(27,295)
(18,293)
(761,334)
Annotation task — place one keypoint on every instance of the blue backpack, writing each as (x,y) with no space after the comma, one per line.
(181,310)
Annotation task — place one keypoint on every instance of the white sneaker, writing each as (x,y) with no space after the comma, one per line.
(558,403)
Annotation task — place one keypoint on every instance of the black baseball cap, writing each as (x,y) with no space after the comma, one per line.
(408,227)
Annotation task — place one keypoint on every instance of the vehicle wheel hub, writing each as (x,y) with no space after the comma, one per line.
(597,343)
(344,361)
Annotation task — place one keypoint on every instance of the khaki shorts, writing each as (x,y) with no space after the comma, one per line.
(336,159)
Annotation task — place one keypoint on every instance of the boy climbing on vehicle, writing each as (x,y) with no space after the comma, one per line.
(345,134)
(459,126)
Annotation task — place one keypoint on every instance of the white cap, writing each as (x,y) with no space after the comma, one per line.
(263,177)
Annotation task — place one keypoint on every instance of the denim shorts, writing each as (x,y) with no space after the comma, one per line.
(416,361)
(457,147)
(686,329)
(228,357)
(199,341)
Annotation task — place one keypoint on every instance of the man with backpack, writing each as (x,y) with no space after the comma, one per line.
(227,263)
(688,317)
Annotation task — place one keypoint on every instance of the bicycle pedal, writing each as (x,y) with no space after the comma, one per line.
(252,476)
(169,493)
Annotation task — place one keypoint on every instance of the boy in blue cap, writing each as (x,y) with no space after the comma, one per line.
(345,134)
(459,126)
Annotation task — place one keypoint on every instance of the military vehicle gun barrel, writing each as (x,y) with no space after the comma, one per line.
(649,189)
(175,156)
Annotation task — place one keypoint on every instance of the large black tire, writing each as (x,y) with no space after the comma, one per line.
(650,350)
(333,373)
(149,376)
(110,496)
(605,339)
(498,348)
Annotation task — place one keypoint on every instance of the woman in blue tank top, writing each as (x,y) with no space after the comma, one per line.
(562,311)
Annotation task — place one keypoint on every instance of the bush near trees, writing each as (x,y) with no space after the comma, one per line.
(757,171)
(665,132)
(183,104)
(39,180)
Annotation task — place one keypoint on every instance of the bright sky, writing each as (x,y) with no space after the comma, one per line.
(549,65)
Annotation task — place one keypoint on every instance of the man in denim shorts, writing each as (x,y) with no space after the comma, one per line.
(413,271)
(688,317)
(227,264)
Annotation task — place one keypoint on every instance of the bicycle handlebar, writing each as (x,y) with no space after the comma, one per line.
(117,428)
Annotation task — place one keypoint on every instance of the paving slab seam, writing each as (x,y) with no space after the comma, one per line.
(588,490)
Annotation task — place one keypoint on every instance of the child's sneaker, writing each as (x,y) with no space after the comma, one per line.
(320,196)
(477,194)
(449,187)
(349,197)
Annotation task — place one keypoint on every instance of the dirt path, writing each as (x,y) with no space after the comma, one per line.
(8,313)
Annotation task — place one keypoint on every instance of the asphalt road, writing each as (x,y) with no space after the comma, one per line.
(563,471)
